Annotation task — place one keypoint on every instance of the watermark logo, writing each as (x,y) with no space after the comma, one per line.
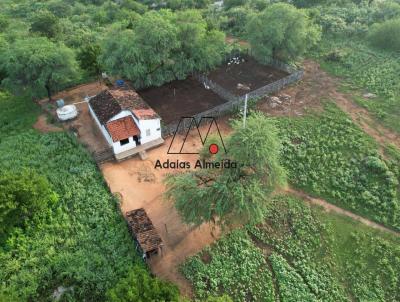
(199,131)
(190,123)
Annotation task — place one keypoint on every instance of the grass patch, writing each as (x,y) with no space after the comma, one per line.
(311,255)
(327,155)
(367,68)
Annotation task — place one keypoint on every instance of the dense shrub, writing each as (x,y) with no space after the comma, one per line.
(233,266)
(386,35)
(81,243)
(23,195)
(138,285)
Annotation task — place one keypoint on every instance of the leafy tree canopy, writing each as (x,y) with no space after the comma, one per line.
(37,65)
(163,46)
(139,286)
(235,193)
(281,31)
(88,59)
(45,24)
(22,195)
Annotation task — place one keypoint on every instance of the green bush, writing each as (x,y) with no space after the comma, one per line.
(82,242)
(139,286)
(23,195)
(305,254)
(386,35)
(232,266)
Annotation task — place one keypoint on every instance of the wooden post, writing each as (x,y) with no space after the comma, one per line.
(245,111)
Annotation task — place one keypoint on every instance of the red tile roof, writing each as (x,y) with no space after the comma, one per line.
(110,102)
(122,128)
(143,114)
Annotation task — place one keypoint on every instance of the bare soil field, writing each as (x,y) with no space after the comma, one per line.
(180,98)
(249,73)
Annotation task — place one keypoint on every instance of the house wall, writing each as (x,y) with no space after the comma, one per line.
(118,148)
(153,125)
(101,127)
(155,130)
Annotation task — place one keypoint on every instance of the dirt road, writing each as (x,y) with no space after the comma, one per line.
(140,184)
(317,85)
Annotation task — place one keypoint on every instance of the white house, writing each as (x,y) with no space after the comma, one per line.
(127,122)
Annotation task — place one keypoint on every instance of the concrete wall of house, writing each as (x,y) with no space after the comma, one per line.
(101,127)
(149,130)
(118,148)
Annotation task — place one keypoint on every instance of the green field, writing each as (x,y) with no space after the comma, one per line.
(82,243)
(327,155)
(299,254)
(366,69)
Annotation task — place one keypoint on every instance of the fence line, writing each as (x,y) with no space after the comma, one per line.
(235,101)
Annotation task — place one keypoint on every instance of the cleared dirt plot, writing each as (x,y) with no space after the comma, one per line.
(249,73)
(180,98)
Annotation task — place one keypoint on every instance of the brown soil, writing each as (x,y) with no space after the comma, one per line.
(43,126)
(141,185)
(316,86)
(78,93)
(83,125)
(249,73)
(180,98)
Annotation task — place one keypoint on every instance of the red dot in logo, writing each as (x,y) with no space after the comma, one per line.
(213,148)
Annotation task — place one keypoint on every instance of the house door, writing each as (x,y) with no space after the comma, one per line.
(136,139)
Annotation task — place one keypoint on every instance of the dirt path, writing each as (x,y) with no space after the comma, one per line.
(43,126)
(335,209)
(140,184)
(319,84)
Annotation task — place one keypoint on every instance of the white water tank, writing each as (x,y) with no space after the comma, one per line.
(67,112)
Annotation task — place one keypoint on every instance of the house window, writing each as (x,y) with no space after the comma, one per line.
(148,132)
(124,141)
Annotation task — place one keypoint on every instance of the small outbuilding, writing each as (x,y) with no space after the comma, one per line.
(144,233)
(128,123)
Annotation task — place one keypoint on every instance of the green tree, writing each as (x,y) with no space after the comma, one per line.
(241,193)
(37,66)
(22,195)
(281,31)
(139,286)
(45,24)
(199,49)
(88,59)
(386,35)
(161,47)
